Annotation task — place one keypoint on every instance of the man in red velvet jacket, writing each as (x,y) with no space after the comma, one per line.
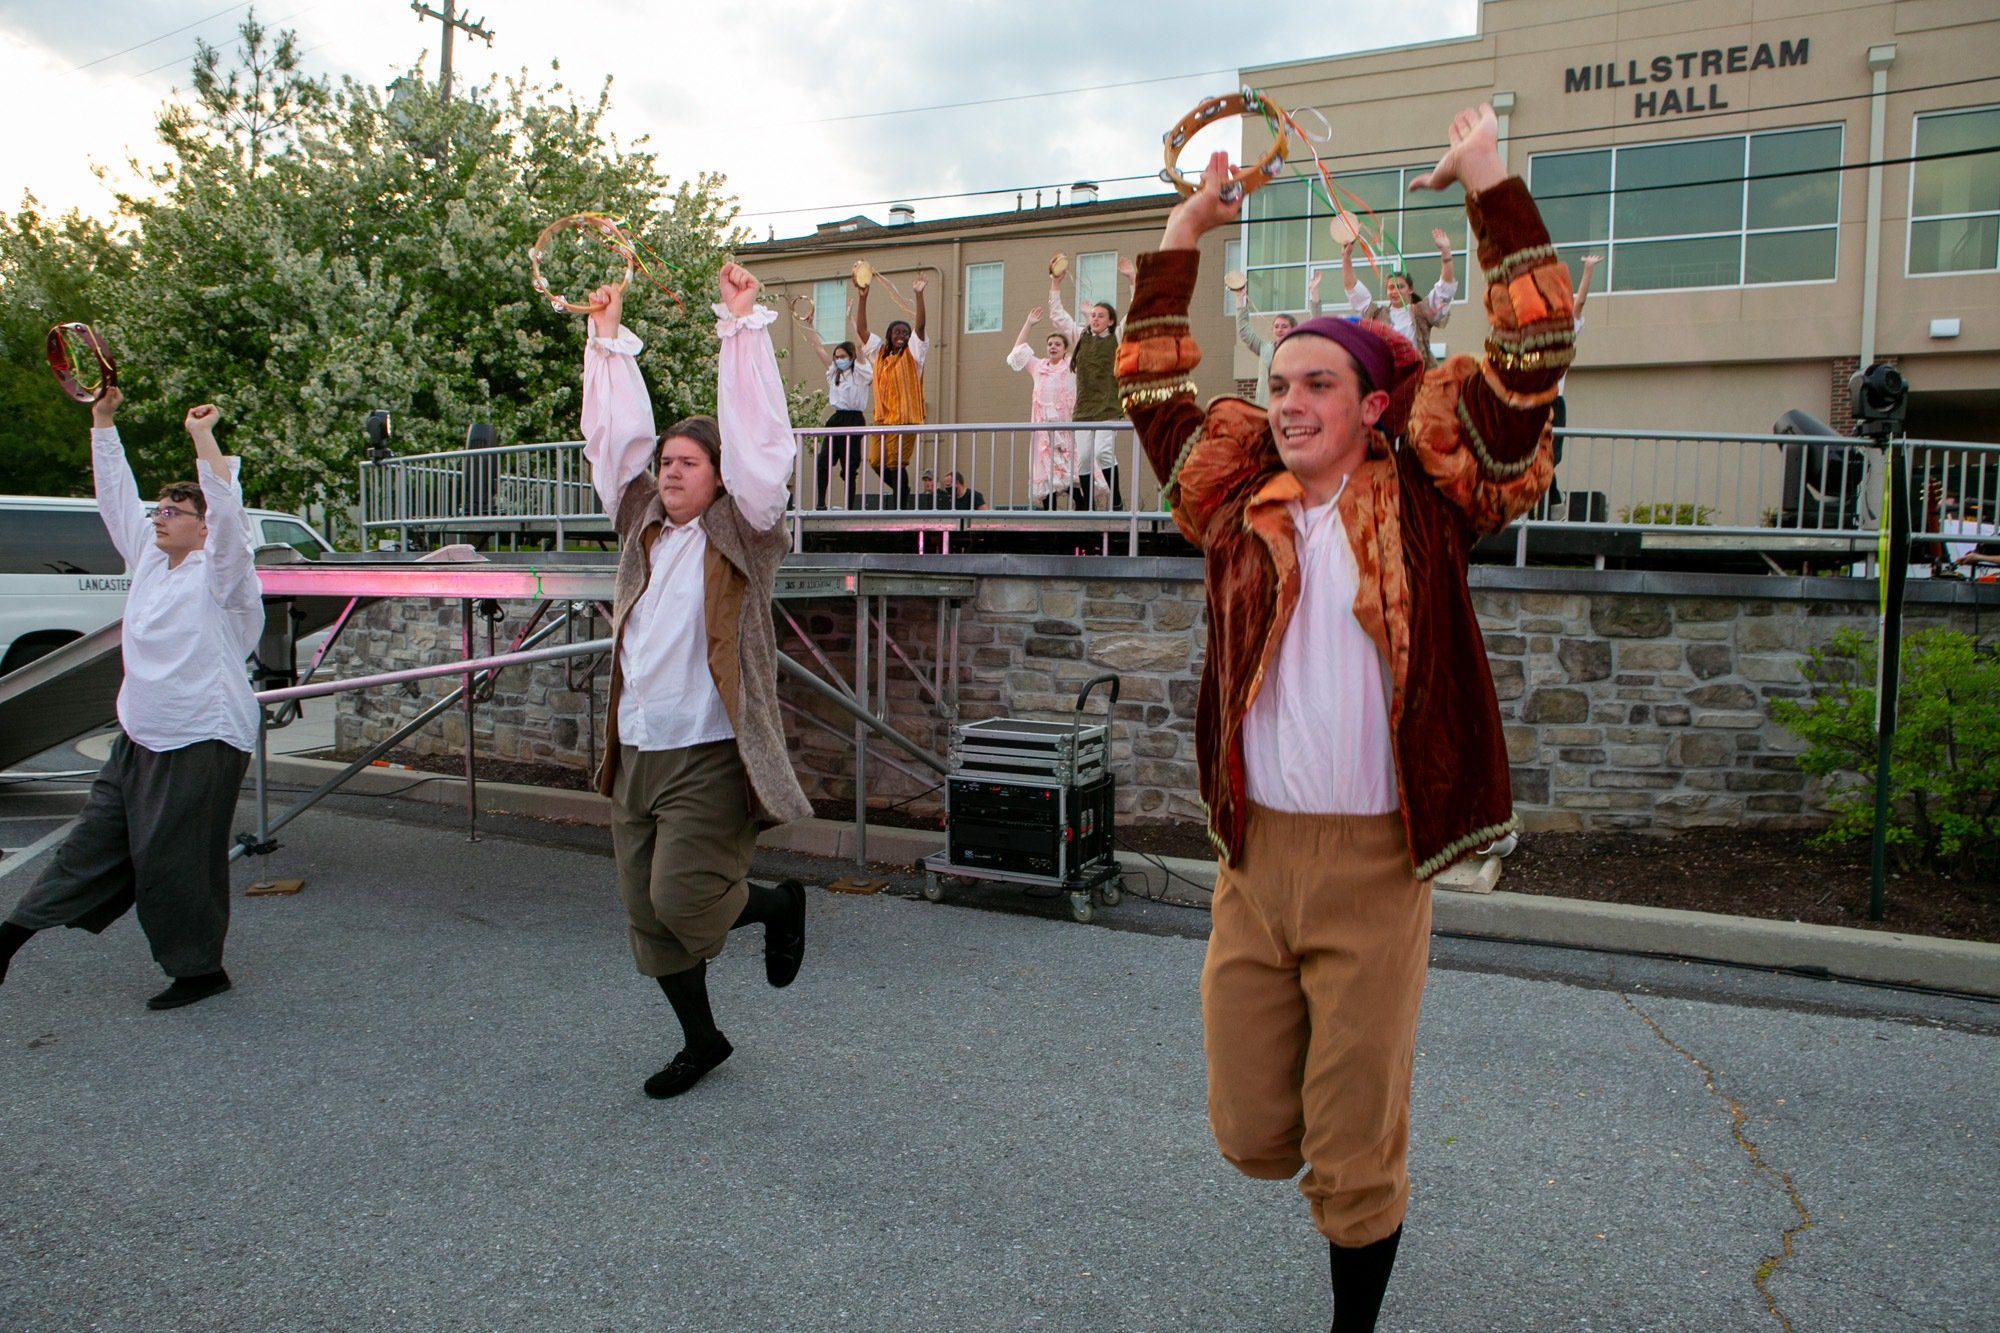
(1347,732)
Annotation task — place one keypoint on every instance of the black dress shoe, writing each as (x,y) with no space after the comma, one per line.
(785,943)
(187,990)
(686,1069)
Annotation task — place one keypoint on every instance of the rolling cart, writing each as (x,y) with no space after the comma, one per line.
(1032,803)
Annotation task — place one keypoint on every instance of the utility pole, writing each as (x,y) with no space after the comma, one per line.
(452,22)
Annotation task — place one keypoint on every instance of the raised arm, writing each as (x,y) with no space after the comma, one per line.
(1312,293)
(619,437)
(1021,354)
(1481,429)
(232,568)
(1200,458)
(818,345)
(1590,263)
(861,314)
(1437,303)
(1358,296)
(1059,316)
(118,502)
(758,447)
(1245,334)
(917,290)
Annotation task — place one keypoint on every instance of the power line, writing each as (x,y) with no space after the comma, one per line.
(1373,152)
(893,242)
(162,37)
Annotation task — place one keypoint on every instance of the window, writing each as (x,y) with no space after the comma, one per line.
(56,541)
(1955,204)
(983,284)
(1285,236)
(830,310)
(280,531)
(1737,210)
(1096,280)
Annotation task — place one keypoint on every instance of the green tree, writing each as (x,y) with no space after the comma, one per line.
(307,255)
(52,271)
(1944,765)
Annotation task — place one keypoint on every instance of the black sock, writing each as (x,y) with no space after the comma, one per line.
(687,992)
(12,937)
(1360,1277)
(765,903)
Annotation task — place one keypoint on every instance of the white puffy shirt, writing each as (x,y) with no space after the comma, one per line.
(669,700)
(187,629)
(1316,740)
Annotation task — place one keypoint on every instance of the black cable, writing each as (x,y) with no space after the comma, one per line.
(1384,152)
(873,242)
(1160,864)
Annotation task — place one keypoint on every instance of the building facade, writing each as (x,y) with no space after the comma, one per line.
(1718,156)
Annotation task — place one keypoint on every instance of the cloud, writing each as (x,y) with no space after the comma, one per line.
(743,89)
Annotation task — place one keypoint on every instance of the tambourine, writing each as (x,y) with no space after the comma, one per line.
(590,224)
(1236,280)
(1242,180)
(811,309)
(863,275)
(80,362)
(1343,230)
(1058,266)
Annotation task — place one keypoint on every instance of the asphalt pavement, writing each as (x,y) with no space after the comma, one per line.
(420,1109)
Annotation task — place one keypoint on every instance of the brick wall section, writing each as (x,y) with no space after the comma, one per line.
(1841,418)
(1623,710)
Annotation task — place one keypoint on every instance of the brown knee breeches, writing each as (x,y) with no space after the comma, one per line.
(1315,970)
(683,836)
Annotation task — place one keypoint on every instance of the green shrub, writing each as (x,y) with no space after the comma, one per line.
(1679,516)
(1944,774)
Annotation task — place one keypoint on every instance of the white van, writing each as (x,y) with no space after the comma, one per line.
(61,578)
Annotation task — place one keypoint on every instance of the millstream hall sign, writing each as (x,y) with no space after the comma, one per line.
(1683,65)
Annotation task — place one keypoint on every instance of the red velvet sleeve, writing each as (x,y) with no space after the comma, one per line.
(1481,428)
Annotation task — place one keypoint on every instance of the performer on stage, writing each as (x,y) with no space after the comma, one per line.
(695,761)
(847,381)
(1413,319)
(1348,737)
(1281,324)
(896,358)
(1052,454)
(154,833)
(1096,349)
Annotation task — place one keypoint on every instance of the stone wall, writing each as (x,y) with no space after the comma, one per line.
(1630,700)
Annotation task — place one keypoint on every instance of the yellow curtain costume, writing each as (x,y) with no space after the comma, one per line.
(899,401)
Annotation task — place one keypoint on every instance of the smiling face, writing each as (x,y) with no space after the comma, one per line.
(1321,412)
(689,482)
(1282,325)
(1102,317)
(1399,290)
(898,336)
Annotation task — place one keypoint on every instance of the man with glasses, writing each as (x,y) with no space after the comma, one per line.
(154,833)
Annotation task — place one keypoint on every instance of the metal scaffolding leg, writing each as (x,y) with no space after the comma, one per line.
(860,729)
(469,695)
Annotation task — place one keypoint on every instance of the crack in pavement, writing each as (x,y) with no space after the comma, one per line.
(1738,1118)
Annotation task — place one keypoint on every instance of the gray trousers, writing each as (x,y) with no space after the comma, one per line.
(154,834)
(683,836)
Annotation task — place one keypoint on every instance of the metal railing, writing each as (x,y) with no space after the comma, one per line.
(1698,486)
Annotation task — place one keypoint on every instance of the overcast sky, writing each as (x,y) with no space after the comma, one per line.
(748,89)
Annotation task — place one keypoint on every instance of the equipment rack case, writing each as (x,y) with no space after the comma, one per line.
(1032,803)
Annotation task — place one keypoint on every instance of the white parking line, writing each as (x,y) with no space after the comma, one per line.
(15,860)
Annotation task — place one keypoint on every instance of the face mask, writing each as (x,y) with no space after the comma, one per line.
(842,363)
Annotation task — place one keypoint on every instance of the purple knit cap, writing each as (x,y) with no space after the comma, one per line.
(1368,351)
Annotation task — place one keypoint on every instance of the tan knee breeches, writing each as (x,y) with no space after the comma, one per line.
(1309,996)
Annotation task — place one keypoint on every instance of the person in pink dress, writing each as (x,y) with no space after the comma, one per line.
(1052,454)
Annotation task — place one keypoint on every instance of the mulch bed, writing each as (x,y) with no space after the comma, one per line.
(1775,876)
